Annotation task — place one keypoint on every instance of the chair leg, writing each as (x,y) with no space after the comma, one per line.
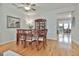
(17,41)
(37,43)
(44,43)
(22,41)
(31,45)
(24,44)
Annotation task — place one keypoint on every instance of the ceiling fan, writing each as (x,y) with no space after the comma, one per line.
(26,6)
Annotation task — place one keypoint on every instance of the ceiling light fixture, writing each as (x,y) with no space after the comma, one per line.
(27,8)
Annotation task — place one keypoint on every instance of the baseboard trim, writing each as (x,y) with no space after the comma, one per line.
(6,42)
(15,40)
(52,38)
(76,42)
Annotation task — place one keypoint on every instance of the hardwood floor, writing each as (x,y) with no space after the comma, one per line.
(52,49)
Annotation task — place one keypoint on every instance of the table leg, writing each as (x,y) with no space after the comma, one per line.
(17,41)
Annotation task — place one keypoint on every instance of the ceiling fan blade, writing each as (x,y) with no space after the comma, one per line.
(23,5)
(33,4)
(33,9)
(28,10)
(30,4)
(27,3)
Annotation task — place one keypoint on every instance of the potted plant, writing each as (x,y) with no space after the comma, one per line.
(30,26)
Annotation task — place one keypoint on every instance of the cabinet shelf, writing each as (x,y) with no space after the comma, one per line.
(40,24)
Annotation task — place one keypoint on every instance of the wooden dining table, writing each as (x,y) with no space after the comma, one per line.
(31,33)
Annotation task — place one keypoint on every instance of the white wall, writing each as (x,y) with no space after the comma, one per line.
(75,32)
(52,17)
(8,34)
(75,29)
(0,23)
(51,24)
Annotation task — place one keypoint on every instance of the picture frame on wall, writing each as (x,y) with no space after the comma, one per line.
(13,22)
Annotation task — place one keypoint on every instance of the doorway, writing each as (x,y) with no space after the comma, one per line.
(64,32)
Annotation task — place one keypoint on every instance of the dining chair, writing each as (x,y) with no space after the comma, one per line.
(29,37)
(41,38)
(20,36)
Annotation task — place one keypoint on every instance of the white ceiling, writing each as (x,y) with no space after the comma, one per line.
(45,7)
(53,6)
